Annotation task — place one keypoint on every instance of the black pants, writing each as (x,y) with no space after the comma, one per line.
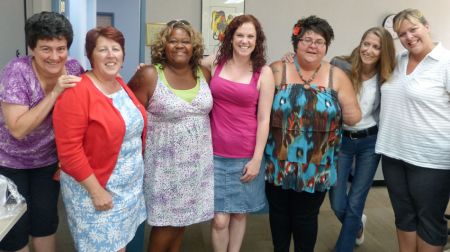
(294,214)
(419,197)
(41,194)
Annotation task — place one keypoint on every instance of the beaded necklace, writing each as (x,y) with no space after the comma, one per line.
(308,81)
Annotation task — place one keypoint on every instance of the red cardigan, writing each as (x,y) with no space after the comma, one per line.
(89,130)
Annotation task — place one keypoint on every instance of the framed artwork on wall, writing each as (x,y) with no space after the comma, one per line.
(152,31)
(216,15)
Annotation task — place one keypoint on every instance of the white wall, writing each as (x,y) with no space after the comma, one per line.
(349,18)
(40,5)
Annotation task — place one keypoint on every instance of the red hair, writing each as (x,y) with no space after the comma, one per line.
(258,56)
(108,32)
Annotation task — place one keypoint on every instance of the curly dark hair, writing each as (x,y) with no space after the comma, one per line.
(258,56)
(158,47)
(315,24)
(47,25)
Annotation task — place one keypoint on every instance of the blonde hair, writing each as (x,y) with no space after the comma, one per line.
(412,15)
(158,47)
(385,65)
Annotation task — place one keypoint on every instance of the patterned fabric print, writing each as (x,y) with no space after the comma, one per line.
(179,177)
(111,230)
(19,85)
(304,138)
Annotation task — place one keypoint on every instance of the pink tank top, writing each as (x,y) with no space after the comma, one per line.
(234,116)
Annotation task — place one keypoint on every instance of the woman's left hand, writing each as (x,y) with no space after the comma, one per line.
(251,170)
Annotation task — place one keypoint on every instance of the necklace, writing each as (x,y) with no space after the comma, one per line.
(308,81)
(106,88)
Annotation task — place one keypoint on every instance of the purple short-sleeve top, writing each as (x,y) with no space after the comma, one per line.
(20,85)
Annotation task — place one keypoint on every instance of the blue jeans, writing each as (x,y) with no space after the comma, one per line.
(348,202)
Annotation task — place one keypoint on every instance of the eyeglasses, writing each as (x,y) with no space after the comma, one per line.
(177,21)
(309,41)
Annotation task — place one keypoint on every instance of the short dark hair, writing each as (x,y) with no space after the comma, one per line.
(315,24)
(47,25)
(258,56)
(108,32)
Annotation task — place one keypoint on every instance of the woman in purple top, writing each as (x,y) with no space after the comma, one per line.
(29,87)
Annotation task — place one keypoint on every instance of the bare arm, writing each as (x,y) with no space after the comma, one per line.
(143,84)
(21,120)
(266,92)
(277,70)
(208,62)
(101,199)
(351,112)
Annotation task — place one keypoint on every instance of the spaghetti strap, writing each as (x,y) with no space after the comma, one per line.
(330,77)
(218,69)
(283,75)
(255,78)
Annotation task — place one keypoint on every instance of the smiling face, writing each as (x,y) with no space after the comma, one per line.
(107,58)
(415,37)
(311,47)
(370,50)
(244,40)
(50,57)
(179,47)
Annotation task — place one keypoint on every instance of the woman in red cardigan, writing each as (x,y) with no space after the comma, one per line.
(99,129)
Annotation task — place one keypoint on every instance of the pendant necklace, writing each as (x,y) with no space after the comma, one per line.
(308,81)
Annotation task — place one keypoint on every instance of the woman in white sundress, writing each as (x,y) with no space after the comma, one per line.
(178,181)
(99,130)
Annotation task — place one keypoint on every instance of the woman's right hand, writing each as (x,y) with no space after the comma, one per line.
(65,81)
(288,57)
(102,200)
(141,65)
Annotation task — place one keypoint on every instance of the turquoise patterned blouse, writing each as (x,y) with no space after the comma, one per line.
(304,138)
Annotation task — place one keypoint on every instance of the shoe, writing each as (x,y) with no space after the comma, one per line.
(359,240)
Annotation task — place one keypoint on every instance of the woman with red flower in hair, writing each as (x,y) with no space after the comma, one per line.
(311,100)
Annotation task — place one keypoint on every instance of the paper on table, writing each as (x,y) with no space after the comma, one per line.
(10,197)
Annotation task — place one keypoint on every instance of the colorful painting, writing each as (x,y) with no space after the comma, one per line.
(216,15)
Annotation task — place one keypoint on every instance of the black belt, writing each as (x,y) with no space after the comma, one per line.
(357,134)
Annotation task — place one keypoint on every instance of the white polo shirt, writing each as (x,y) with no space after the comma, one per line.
(415,112)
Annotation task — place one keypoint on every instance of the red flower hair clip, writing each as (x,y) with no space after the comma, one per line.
(296,30)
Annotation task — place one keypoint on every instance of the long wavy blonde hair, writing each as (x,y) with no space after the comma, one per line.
(385,65)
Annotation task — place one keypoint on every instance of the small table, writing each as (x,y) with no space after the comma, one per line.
(8,223)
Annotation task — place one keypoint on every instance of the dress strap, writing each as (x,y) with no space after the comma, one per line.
(283,74)
(218,69)
(159,69)
(330,77)
(255,78)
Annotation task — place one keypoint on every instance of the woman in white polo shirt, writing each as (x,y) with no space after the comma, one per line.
(414,135)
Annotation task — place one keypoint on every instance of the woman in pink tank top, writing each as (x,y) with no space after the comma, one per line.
(242,88)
